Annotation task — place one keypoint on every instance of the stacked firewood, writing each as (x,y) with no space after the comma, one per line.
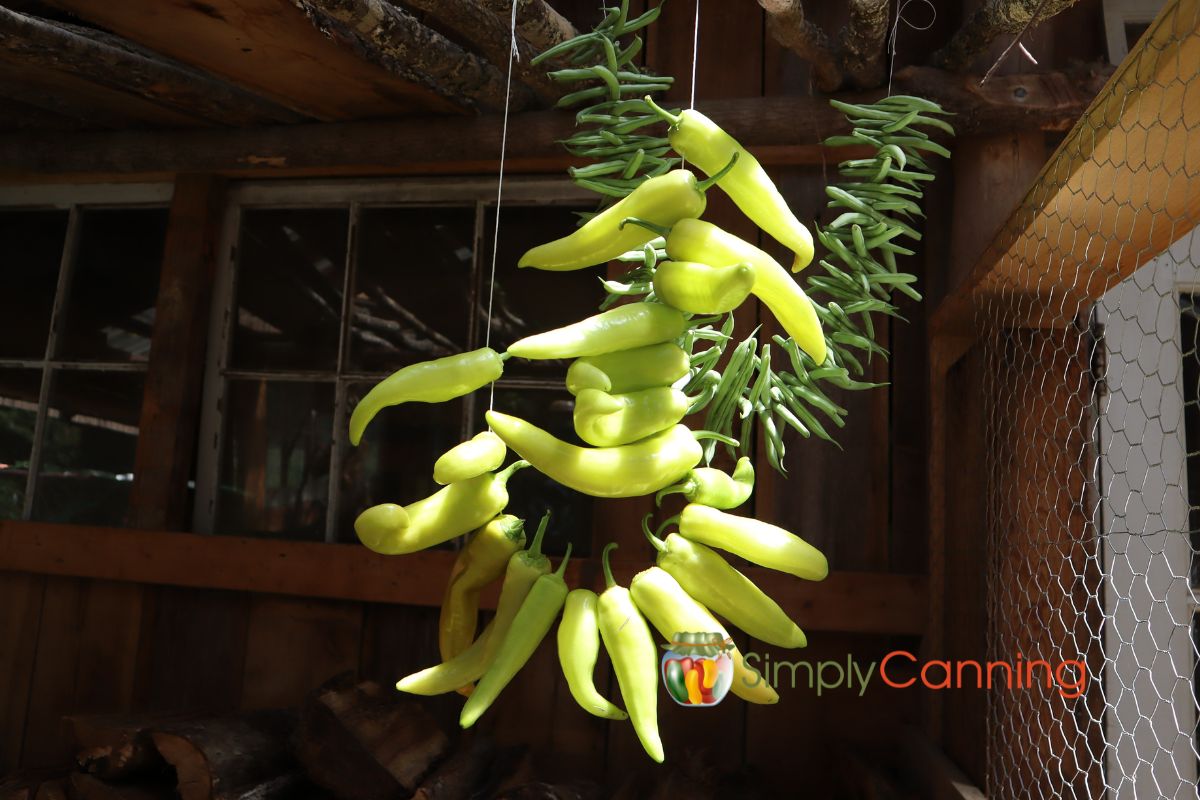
(349,741)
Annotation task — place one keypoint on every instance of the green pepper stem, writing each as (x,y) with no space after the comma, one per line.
(609,582)
(663,525)
(683,487)
(657,543)
(707,183)
(720,437)
(506,473)
(662,112)
(535,549)
(562,565)
(661,230)
(505,356)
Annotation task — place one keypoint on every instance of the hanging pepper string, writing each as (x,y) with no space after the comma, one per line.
(513,54)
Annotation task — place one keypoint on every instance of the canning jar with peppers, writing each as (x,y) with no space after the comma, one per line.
(697,668)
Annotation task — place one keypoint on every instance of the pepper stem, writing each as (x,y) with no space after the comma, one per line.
(662,527)
(609,582)
(720,437)
(657,543)
(661,230)
(683,487)
(562,565)
(505,356)
(506,473)
(707,183)
(535,549)
(662,112)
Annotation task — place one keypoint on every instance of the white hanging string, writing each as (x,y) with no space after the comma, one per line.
(513,54)
(695,50)
(901,5)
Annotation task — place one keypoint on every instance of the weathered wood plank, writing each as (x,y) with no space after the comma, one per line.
(20,618)
(447,144)
(107,61)
(268,48)
(845,601)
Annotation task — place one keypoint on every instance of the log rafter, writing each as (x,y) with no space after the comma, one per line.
(991,20)
(114,63)
(537,22)
(391,37)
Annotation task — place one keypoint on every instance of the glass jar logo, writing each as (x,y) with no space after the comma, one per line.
(697,668)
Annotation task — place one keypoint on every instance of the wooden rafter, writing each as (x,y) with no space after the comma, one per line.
(845,601)
(387,35)
(537,22)
(96,58)
(863,43)
(490,35)
(993,19)
(781,129)
(788,26)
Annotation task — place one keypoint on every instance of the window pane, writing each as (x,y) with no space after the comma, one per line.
(394,461)
(412,286)
(19,389)
(275,458)
(109,307)
(88,447)
(530,492)
(33,242)
(290,270)
(533,300)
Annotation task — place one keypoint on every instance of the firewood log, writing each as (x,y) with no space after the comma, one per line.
(221,759)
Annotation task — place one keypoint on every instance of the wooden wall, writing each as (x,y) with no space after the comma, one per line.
(71,645)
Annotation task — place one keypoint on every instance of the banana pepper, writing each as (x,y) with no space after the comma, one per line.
(711,487)
(481,453)
(578,651)
(479,563)
(459,508)
(702,288)
(428,382)
(702,142)
(630,470)
(608,420)
(620,328)
(629,370)
(714,582)
(670,609)
(754,540)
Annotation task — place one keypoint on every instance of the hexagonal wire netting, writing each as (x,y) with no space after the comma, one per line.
(1090,346)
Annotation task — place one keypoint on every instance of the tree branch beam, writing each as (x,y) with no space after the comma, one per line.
(489,34)
(991,20)
(394,39)
(788,26)
(864,43)
(108,61)
(537,22)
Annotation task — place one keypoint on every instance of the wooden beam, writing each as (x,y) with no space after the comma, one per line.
(863,44)
(171,402)
(267,47)
(991,20)
(845,601)
(94,57)
(788,129)
(490,35)
(789,26)
(537,22)
(1120,188)
(385,34)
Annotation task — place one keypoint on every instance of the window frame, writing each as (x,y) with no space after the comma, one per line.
(356,195)
(71,198)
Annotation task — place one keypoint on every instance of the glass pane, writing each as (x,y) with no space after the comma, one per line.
(532,300)
(394,461)
(108,313)
(275,459)
(33,242)
(530,492)
(88,447)
(19,389)
(412,286)
(290,272)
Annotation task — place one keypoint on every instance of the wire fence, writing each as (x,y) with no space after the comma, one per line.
(1091,325)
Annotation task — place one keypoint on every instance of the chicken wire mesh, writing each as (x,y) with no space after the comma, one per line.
(1090,355)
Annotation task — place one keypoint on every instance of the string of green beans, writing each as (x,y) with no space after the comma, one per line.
(612,86)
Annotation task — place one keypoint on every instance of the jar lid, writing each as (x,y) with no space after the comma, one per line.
(699,643)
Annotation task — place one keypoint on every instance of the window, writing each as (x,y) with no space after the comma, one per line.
(325,290)
(80,273)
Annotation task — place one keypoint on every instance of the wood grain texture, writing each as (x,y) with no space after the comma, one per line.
(845,601)
(267,47)
(20,622)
